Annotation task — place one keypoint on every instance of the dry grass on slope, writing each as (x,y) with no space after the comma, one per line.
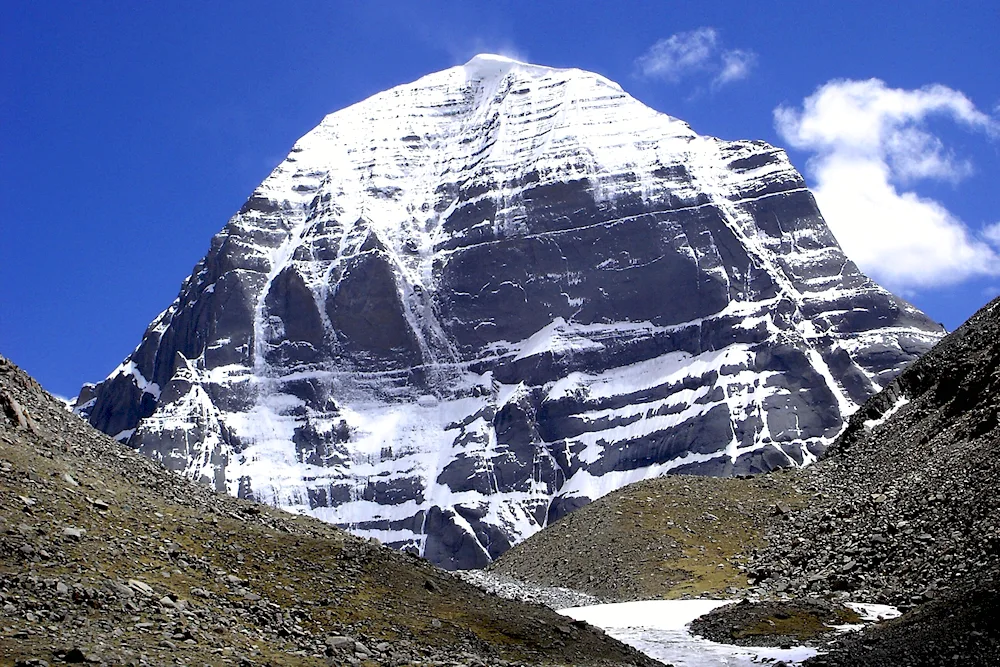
(670,537)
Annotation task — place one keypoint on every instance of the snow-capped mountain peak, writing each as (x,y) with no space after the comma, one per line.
(471,303)
(492,66)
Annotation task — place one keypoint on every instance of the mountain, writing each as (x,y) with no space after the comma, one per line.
(107,558)
(468,305)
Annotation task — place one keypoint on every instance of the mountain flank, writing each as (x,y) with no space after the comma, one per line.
(108,558)
(906,503)
(957,628)
(903,510)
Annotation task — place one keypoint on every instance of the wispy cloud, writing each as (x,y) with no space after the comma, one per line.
(695,53)
(870,145)
(454,34)
(992,233)
(736,65)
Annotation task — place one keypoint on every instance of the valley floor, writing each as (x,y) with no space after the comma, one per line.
(662,628)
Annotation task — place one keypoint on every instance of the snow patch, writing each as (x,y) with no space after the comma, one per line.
(872,424)
(659,628)
(129,368)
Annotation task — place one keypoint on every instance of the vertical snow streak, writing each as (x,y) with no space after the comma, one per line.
(277,260)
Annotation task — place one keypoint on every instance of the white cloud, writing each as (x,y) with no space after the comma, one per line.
(992,233)
(695,52)
(870,143)
(736,65)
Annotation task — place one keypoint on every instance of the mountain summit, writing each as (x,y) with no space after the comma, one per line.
(470,304)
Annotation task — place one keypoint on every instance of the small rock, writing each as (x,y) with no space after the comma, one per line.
(338,642)
(71,533)
(140,586)
(123,591)
(75,655)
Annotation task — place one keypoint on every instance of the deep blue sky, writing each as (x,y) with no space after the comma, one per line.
(130,132)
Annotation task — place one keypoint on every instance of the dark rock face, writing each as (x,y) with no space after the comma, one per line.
(450,317)
(367,313)
(302,333)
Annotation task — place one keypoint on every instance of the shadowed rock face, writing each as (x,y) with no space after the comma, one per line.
(473,303)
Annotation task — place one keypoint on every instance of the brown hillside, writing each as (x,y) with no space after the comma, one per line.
(107,558)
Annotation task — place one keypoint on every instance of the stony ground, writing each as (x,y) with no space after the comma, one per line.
(775,623)
(903,510)
(957,629)
(907,508)
(106,558)
(553,597)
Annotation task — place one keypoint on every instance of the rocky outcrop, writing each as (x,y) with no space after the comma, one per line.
(470,304)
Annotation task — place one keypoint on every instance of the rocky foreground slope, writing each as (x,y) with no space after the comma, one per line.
(470,304)
(107,558)
(903,510)
(907,500)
